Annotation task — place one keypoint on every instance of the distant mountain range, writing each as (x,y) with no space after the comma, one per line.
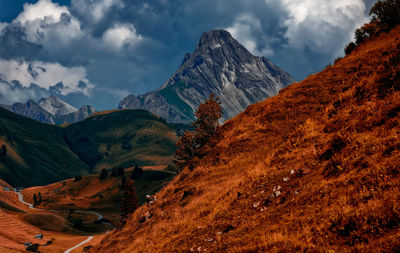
(51,110)
(219,65)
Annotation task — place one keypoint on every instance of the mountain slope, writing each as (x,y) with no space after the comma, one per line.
(36,152)
(312,169)
(56,106)
(122,138)
(219,65)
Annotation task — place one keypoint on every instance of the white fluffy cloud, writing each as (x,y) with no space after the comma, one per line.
(243,29)
(122,35)
(49,24)
(95,9)
(322,25)
(46,75)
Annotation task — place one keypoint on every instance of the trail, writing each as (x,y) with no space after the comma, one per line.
(99,216)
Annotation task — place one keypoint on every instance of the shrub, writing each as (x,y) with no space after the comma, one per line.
(350,48)
(123,182)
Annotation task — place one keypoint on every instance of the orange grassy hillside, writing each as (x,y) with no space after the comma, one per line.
(315,168)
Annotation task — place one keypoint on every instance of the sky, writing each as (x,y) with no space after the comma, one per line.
(99,51)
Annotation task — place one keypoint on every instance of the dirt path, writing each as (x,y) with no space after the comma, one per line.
(99,216)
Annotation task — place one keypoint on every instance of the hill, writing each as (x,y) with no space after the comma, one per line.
(219,65)
(314,168)
(122,138)
(40,154)
(36,153)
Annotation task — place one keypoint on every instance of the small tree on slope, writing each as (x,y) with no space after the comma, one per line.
(129,202)
(193,145)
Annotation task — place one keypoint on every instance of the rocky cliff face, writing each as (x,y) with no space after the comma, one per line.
(219,65)
(51,110)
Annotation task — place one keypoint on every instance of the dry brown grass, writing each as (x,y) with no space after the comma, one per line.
(330,143)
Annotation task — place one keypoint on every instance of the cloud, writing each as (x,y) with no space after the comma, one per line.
(243,29)
(321,26)
(48,24)
(95,11)
(46,75)
(122,35)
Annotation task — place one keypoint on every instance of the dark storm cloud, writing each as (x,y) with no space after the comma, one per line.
(134,46)
(15,45)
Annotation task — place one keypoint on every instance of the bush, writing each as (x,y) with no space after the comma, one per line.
(350,48)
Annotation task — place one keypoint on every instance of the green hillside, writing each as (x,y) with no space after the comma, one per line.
(36,152)
(40,154)
(122,138)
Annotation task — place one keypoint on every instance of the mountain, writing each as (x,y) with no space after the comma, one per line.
(315,168)
(32,110)
(51,110)
(219,65)
(56,106)
(39,153)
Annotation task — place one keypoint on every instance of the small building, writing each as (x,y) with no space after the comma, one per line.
(18,189)
(39,236)
(7,189)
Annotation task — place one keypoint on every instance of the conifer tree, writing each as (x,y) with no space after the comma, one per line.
(35,200)
(129,202)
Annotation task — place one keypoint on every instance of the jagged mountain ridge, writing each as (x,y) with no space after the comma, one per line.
(51,110)
(56,106)
(219,65)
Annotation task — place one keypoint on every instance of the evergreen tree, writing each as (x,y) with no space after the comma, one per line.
(35,200)
(120,171)
(129,202)
(39,198)
(123,182)
(137,173)
(103,174)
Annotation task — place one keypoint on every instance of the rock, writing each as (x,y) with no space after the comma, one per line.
(219,65)
(285,179)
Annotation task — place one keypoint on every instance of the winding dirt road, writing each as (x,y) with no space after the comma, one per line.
(99,216)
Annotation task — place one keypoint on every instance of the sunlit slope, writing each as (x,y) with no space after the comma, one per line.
(315,168)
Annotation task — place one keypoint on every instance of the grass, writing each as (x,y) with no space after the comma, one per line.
(314,168)
(122,138)
(39,154)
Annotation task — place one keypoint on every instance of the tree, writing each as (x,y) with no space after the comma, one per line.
(193,145)
(103,174)
(123,182)
(35,200)
(3,152)
(114,172)
(129,202)
(386,13)
(77,178)
(349,48)
(120,171)
(39,198)
(137,173)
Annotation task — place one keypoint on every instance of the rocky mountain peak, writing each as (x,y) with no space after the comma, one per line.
(219,65)
(56,106)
